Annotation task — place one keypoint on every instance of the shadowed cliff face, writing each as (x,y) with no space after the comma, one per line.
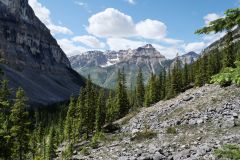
(33,59)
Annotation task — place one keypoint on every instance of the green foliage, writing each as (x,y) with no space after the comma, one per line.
(121,99)
(140,136)
(171,130)
(140,89)
(231,19)
(85,151)
(20,133)
(228,151)
(228,76)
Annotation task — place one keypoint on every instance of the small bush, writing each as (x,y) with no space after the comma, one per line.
(144,135)
(171,130)
(85,151)
(97,138)
(228,76)
(228,151)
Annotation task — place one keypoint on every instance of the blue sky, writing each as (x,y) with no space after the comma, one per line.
(81,25)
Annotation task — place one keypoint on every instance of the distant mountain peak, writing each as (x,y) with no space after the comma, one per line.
(148,46)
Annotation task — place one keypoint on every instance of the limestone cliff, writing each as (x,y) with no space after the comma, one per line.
(32,58)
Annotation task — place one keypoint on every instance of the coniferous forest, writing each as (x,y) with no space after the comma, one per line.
(27,133)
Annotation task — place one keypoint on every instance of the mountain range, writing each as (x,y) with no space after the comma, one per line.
(103,66)
(32,59)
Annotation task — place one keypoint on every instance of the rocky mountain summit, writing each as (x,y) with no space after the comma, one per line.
(32,58)
(188,127)
(103,66)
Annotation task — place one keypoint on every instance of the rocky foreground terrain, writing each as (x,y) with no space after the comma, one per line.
(190,127)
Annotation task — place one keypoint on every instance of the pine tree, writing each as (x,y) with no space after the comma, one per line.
(176,81)
(20,126)
(100,112)
(151,94)
(81,112)
(185,74)
(112,110)
(51,146)
(5,143)
(122,102)
(163,75)
(198,78)
(70,119)
(89,107)
(229,57)
(140,89)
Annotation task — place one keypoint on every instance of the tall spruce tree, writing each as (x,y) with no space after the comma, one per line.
(20,133)
(5,143)
(122,101)
(100,112)
(51,146)
(140,89)
(70,121)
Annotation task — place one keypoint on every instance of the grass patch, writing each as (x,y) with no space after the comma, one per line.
(144,135)
(228,151)
(171,130)
(85,151)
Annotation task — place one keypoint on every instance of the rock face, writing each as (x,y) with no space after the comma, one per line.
(32,58)
(103,66)
(188,127)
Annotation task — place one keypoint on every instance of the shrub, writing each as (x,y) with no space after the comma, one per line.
(171,130)
(228,151)
(144,135)
(85,151)
(97,138)
(228,76)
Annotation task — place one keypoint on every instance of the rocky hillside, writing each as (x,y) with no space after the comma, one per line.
(188,127)
(32,58)
(103,66)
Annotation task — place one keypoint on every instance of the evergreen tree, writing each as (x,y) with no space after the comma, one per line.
(185,74)
(51,146)
(100,112)
(5,143)
(122,102)
(151,94)
(229,58)
(140,89)
(176,81)
(20,126)
(110,108)
(163,75)
(89,107)
(198,78)
(70,121)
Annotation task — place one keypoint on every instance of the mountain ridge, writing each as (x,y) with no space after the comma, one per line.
(32,58)
(103,66)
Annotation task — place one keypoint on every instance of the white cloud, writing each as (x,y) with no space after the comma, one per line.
(44,15)
(122,43)
(195,46)
(90,41)
(115,24)
(70,48)
(131,1)
(111,23)
(151,29)
(210,17)
(83,5)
